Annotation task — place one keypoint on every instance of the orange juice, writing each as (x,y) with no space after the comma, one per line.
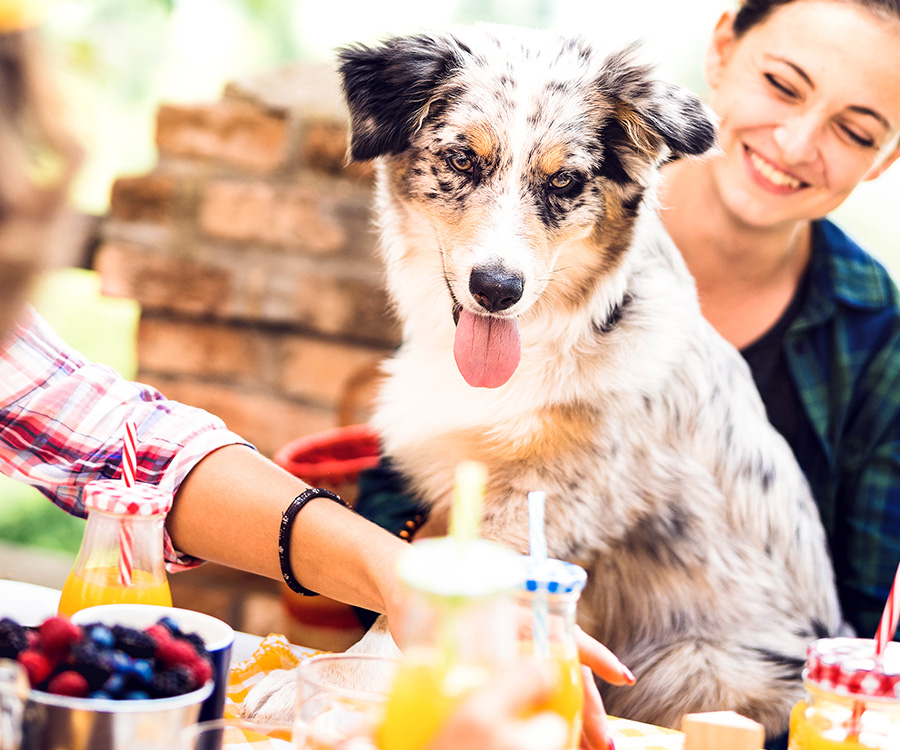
(101,585)
(828,728)
(567,698)
(852,699)
(423,696)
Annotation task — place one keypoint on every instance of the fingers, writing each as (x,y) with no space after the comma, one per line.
(601,660)
(595,733)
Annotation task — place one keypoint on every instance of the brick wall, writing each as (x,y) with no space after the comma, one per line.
(251,251)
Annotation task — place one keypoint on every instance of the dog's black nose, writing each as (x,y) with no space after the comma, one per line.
(495,289)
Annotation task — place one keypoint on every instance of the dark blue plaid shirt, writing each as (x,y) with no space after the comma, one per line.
(842,353)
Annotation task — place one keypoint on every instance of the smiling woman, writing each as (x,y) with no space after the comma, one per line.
(804,119)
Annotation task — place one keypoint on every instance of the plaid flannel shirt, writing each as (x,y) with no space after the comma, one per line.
(62,421)
(843,354)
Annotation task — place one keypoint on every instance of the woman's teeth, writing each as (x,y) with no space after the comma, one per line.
(773,175)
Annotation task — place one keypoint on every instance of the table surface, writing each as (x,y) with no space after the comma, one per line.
(30,604)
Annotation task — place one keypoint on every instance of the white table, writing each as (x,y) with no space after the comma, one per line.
(29,604)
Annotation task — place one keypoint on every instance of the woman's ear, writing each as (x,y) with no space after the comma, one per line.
(883,163)
(719,49)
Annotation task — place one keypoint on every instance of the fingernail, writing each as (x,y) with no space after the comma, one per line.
(610,744)
(628,675)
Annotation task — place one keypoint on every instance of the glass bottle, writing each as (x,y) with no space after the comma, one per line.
(549,596)
(121,555)
(852,697)
(459,628)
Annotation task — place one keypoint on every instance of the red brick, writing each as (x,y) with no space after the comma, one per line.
(321,371)
(207,350)
(352,306)
(310,218)
(228,131)
(263,419)
(323,147)
(145,198)
(162,282)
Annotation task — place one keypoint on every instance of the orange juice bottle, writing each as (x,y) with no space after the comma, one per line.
(459,629)
(549,599)
(121,555)
(852,697)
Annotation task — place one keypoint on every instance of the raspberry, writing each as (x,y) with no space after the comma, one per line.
(159,633)
(174,681)
(57,634)
(176,652)
(68,683)
(170,624)
(13,639)
(136,643)
(201,670)
(37,665)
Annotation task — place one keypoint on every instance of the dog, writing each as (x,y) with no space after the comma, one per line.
(551,331)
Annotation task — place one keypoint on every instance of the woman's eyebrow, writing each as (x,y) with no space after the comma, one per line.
(858,108)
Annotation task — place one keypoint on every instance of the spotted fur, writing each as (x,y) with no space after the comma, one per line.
(536,157)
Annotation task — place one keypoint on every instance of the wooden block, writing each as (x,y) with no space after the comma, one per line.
(718,730)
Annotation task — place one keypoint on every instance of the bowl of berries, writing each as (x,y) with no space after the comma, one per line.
(96,686)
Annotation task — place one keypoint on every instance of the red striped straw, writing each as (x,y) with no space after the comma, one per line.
(126,530)
(888,625)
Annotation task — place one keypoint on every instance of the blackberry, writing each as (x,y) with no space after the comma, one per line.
(92,662)
(136,643)
(12,639)
(173,681)
(197,642)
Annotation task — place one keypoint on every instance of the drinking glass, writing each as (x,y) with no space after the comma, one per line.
(13,694)
(342,698)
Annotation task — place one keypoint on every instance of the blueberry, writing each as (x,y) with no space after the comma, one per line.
(114,685)
(143,671)
(101,694)
(170,624)
(135,695)
(121,662)
(102,636)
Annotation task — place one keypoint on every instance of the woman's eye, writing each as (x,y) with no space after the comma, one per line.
(780,85)
(857,138)
(461,162)
(561,180)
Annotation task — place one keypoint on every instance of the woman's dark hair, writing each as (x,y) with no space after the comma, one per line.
(754,12)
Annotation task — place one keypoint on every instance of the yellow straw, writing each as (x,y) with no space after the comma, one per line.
(468,500)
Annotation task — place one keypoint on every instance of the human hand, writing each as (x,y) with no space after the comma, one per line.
(501,714)
(598,659)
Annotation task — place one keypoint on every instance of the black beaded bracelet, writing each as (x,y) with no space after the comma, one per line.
(284,535)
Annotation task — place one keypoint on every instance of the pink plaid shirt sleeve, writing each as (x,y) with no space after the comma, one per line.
(62,418)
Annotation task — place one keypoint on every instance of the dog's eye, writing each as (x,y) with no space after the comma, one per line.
(461,162)
(561,181)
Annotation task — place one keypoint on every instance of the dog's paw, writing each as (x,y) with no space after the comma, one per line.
(273,699)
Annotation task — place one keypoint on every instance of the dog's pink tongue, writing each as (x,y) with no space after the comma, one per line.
(486,349)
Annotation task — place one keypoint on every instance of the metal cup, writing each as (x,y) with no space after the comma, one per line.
(57,722)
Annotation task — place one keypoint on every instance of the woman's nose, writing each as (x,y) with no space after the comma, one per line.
(797,137)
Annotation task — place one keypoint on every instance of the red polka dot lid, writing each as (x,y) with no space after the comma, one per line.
(850,667)
(114,496)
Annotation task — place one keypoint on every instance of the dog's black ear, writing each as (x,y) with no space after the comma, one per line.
(387,89)
(667,112)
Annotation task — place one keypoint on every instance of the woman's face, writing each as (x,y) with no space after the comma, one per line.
(809,103)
